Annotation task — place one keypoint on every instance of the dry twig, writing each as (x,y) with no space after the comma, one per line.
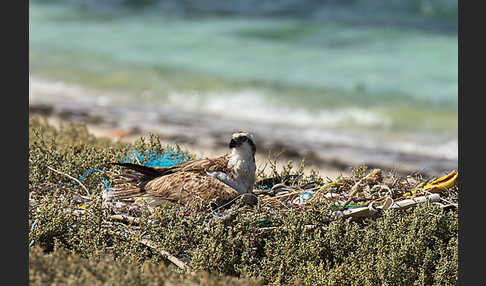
(71,177)
(169,256)
(124,218)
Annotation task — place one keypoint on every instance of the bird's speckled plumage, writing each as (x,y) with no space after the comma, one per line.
(198,183)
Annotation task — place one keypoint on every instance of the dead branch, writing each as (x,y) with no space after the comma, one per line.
(71,177)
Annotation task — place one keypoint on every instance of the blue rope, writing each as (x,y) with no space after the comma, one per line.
(32,229)
(154,159)
(151,159)
(83,176)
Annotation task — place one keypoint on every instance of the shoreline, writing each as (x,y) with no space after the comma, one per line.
(331,152)
(127,136)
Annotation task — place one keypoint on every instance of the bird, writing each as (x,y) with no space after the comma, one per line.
(198,184)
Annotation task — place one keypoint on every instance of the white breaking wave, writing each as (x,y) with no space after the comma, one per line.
(253,105)
(50,91)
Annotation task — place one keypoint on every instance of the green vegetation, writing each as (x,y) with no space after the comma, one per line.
(416,246)
(66,268)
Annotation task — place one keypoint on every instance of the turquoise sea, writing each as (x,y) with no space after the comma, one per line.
(376,81)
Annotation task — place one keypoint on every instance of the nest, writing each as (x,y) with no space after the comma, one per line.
(352,196)
(346,196)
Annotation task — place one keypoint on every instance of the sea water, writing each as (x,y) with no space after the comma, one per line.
(391,84)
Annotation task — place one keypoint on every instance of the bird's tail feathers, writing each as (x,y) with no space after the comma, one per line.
(130,184)
(125,193)
(145,170)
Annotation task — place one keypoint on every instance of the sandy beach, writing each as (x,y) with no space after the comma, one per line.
(206,135)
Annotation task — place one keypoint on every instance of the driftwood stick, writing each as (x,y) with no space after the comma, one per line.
(166,254)
(71,177)
(124,218)
(370,210)
(270,228)
(412,202)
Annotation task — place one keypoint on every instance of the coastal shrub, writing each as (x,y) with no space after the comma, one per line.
(61,267)
(73,243)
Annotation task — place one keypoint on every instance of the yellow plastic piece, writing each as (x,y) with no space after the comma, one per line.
(436,185)
(442,183)
(322,188)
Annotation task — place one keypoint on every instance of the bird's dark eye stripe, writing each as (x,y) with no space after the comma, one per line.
(241,139)
(251,143)
(237,141)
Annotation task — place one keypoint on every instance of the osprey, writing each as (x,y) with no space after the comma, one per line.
(198,183)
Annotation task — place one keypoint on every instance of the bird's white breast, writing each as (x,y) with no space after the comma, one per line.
(241,171)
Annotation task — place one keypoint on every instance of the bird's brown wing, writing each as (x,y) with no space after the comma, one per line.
(193,189)
(201,166)
(186,183)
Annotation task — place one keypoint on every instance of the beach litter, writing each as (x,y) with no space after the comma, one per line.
(346,196)
(352,197)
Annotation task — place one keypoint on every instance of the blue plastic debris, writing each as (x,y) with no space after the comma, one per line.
(168,158)
(154,159)
(305,196)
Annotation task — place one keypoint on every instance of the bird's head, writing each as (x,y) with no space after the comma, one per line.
(243,140)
